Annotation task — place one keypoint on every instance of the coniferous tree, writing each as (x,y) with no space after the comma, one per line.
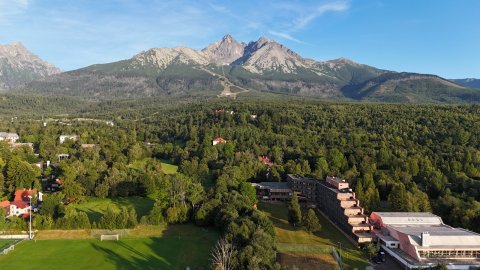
(294,211)
(311,222)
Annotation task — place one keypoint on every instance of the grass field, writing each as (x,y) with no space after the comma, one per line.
(167,166)
(6,243)
(175,247)
(301,242)
(96,207)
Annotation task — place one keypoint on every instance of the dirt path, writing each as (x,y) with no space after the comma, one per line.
(226,83)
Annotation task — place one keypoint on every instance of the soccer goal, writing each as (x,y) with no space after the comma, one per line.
(115,237)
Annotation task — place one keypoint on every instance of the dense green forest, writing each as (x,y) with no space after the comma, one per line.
(398,157)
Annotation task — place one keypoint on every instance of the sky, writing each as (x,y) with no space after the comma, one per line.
(430,36)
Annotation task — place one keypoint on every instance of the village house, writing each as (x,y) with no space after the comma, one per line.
(20,206)
(218,140)
(9,137)
(265,160)
(63,138)
(88,145)
(63,156)
(19,145)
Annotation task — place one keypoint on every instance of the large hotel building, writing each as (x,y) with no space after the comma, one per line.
(416,240)
(337,201)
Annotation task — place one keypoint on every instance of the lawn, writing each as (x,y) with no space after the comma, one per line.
(4,243)
(175,247)
(167,166)
(289,237)
(96,207)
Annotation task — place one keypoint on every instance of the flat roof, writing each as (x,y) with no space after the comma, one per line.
(272,185)
(409,218)
(440,236)
(336,179)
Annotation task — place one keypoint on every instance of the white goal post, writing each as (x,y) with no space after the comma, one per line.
(109,237)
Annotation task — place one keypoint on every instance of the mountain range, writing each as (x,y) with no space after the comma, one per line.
(18,66)
(230,68)
(470,82)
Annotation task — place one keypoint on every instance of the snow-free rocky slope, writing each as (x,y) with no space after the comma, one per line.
(18,66)
(262,65)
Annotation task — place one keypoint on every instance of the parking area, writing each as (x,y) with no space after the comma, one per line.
(389,264)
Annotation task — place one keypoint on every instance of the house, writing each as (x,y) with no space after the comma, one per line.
(20,206)
(218,140)
(63,138)
(273,191)
(88,145)
(19,145)
(266,160)
(109,123)
(9,137)
(253,117)
(63,156)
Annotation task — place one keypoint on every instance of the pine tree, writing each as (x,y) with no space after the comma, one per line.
(311,222)
(398,198)
(294,211)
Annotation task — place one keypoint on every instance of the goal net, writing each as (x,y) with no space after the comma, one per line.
(115,237)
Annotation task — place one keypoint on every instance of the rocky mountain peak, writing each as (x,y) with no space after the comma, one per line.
(267,55)
(18,65)
(225,51)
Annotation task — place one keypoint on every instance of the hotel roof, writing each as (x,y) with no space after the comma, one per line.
(409,218)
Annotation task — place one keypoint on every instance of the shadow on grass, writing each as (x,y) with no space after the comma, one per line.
(141,262)
(328,235)
(180,247)
(95,210)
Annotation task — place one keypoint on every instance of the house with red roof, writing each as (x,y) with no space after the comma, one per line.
(218,140)
(20,206)
(266,160)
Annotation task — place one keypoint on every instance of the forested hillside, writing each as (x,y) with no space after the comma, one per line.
(413,158)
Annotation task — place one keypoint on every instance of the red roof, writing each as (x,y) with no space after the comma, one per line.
(265,160)
(219,140)
(4,204)
(20,204)
(22,195)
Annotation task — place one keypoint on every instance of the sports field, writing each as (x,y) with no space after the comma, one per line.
(297,246)
(177,247)
(4,243)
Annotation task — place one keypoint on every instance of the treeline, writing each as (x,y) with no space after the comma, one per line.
(397,157)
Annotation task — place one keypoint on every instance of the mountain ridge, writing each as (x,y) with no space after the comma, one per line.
(263,65)
(18,66)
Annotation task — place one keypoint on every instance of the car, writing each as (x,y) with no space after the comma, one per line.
(377,260)
(381,255)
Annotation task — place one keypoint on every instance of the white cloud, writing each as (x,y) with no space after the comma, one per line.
(10,8)
(285,36)
(303,21)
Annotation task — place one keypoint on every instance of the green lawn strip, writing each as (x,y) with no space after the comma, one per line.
(285,233)
(304,248)
(179,247)
(167,166)
(4,243)
(96,207)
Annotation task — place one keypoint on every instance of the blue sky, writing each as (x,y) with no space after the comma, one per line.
(429,36)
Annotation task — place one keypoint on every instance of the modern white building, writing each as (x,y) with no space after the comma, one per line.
(9,137)
(422,239)
(63,138)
